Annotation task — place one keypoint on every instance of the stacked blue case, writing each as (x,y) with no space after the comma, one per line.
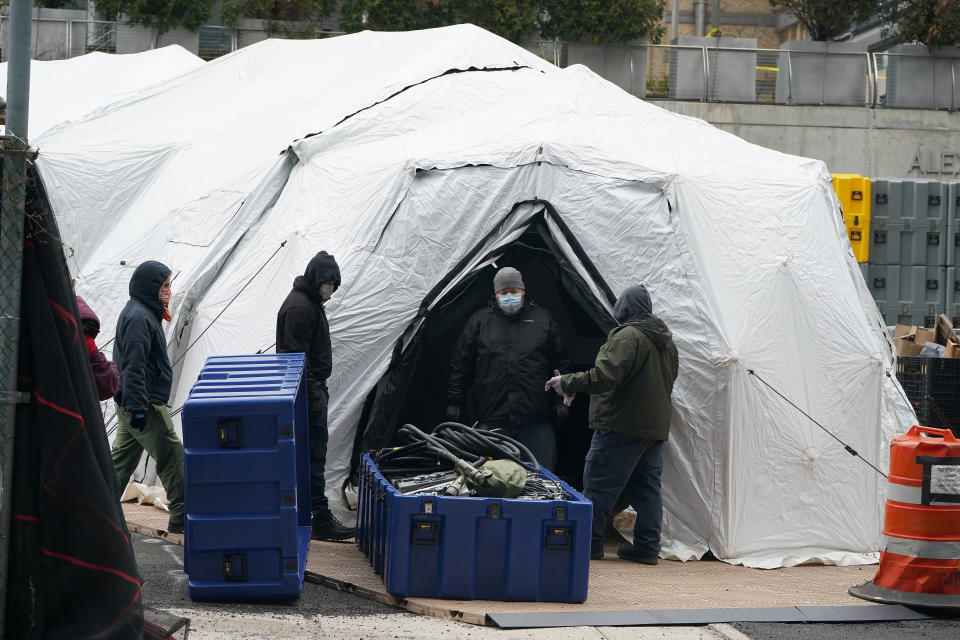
(247,479)
(474,548)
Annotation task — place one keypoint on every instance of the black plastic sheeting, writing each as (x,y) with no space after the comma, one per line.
(72,572)
(414,388)
(687,617)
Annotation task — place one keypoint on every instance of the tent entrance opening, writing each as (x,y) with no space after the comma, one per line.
(550,283)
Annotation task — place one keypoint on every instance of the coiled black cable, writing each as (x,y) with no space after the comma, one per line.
(450,440)
(489,444)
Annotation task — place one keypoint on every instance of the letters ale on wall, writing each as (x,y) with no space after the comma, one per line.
(934,163)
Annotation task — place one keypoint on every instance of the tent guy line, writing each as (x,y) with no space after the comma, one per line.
(227,306)
(848,448)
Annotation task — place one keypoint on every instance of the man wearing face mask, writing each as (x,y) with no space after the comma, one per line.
(302,328)
(143,420)
(504,352)
(630,390)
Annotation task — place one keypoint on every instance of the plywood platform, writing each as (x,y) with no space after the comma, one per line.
(794,594)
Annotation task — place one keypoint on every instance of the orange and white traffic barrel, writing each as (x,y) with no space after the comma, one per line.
(920,561)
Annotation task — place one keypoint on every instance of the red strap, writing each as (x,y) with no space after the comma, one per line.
(91,344)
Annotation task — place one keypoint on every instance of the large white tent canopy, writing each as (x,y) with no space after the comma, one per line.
(63,91)
(418,177)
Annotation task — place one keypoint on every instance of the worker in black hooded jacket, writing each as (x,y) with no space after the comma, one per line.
(302,328)
(143,420)
(503,354)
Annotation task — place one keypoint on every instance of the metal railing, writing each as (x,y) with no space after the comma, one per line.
(768,76)
(653,71)
(100,36)
(909,80)
(214,42)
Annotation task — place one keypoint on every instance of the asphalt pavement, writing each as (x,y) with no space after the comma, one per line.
(937,629)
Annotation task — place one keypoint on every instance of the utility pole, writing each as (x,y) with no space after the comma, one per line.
(715,15)
(14,180)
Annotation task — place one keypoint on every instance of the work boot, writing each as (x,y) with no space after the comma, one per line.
(627,552)
(174,527)
(596,554)
(327,527)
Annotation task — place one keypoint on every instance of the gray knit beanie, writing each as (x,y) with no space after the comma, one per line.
(507,278)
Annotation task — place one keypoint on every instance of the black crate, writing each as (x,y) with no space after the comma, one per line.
(932,386)
(943,399)
(912,372)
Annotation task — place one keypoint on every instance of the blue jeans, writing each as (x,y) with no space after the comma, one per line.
(318,448)
(536,435)
(617,464)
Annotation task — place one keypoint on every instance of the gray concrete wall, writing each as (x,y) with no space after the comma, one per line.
(134,39)
(49,34)
(879,143)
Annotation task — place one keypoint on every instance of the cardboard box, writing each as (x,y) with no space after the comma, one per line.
(926,335)
(905,346)
(903,330)
(909,340)
(953,350)
(944,329)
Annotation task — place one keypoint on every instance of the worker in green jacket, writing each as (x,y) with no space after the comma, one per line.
(630,406)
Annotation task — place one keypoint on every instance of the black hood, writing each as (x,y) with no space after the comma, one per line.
(145,284)
(633,302)
(321,268)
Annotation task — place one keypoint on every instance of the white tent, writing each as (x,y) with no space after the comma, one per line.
(66,90)
(434,176)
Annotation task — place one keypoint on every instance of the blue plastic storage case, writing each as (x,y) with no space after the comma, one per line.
(247,479)
(474,548)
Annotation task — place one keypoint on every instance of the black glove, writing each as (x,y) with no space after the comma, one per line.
(561,412)
(138,419)
(453,413)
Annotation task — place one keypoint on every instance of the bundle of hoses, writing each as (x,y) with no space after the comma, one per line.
(490,462)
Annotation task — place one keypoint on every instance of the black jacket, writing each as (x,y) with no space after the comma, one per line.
(140,348)
(504,361)
(302,323)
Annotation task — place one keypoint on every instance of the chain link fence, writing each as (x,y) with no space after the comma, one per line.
(13,183)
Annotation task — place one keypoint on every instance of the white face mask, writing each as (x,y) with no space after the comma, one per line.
(326,291)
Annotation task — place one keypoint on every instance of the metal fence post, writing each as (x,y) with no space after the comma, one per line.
(953,86)
(11,263)
(789,78)
(706,75)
